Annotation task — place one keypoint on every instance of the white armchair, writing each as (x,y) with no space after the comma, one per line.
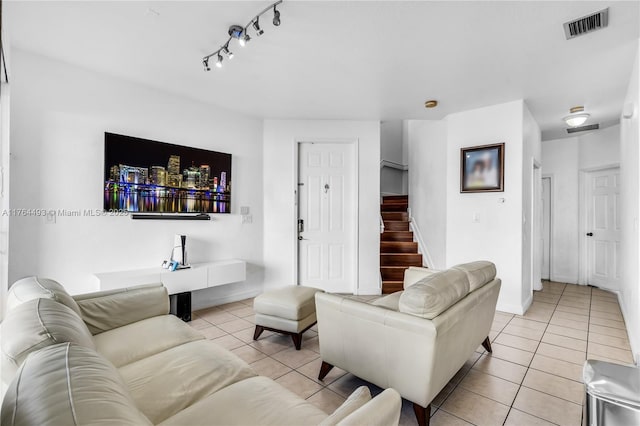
(413,341)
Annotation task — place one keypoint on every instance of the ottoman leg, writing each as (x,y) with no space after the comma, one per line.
(297,340)
(258,332)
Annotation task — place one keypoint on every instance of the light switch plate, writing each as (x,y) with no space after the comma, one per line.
(244,210)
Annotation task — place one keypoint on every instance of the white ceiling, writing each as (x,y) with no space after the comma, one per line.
(351,59)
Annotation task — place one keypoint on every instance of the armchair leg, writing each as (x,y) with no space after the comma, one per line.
(422,414)
(487,344)
(258,332)
(297,340)
(324,370)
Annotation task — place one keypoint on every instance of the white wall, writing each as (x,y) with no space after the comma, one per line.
(562,160)
(279,184)
(497,236)
(4,169)
(630,241)
(531,143)
(444,217)
(391,150)
(59,114)
(427,147)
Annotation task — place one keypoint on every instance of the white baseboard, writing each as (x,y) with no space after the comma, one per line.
(527,304)
(510,308)
(564,279)
(422,247)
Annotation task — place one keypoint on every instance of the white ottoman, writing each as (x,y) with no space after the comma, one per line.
(289,310)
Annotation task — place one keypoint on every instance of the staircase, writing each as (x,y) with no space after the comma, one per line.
(397,249)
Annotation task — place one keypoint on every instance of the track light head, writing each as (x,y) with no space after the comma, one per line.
(219,61)
(205,63)
(244,39)
(276,17)
(227,52)
(256,26)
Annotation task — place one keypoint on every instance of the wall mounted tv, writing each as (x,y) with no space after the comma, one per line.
(146,176)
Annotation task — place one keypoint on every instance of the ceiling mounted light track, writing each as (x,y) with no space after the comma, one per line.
(241,34)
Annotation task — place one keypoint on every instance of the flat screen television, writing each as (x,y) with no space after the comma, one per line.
(146,176)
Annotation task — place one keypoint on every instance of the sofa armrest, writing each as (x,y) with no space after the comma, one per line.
(106,310)
(383,410)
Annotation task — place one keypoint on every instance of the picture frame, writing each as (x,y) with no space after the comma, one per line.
(482,168)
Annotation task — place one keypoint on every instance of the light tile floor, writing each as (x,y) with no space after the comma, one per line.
(533,377)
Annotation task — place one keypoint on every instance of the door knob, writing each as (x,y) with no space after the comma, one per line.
(589,234)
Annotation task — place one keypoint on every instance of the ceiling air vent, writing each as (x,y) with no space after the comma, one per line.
(583,128)
(586,24)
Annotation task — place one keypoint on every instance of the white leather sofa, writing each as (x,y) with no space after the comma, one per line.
(119,358)
(414,340)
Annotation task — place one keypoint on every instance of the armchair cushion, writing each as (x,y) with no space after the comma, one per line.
(34,325)
(357,399)
(478,273)
(434,294)
(36,288)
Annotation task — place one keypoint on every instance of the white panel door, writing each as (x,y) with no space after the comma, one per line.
(546,228)
(603,228)
(326,216)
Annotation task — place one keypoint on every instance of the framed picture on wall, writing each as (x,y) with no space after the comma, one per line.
(482,168)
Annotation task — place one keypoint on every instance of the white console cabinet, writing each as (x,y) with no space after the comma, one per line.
(199,276)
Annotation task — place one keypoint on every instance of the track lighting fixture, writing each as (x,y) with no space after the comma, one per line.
(240,33)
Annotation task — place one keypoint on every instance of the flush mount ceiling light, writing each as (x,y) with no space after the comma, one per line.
(577,116)
(431,104)
(241,34)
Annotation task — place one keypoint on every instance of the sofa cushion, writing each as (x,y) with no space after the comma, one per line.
(413,274)
(434,294)
(130,343)
(255,401)
(35,288)
(389,301)
(357,399)
(34,325)
(66,384)
(478,273)
(291,302)
(165,383)
(107,310)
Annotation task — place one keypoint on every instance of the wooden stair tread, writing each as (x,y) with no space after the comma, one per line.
(396,236)
(398,247)
(389,287)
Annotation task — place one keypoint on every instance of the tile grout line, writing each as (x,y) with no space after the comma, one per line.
(534,354)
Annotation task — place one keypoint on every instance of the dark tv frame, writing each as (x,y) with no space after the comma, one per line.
(151,188)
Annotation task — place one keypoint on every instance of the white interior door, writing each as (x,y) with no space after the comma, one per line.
(326,216)
(603,228)
(546,228)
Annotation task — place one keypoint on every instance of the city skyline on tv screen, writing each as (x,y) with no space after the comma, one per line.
(141,175)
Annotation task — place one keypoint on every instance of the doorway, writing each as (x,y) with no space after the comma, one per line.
(327,216)
(601,235)
(546,228)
